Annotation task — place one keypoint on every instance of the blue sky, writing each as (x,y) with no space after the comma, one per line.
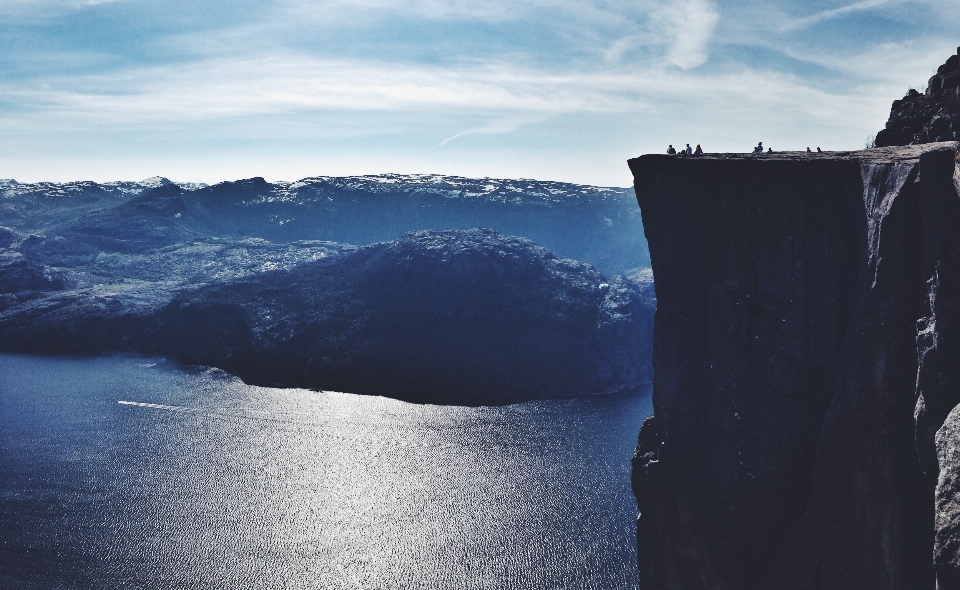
(566,90)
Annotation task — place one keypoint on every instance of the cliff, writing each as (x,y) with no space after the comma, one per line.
(929,117)
(807,370)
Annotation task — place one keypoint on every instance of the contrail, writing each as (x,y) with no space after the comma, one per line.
(451,138)
(833,13)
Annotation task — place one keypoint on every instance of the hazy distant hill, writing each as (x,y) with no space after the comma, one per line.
(600,226)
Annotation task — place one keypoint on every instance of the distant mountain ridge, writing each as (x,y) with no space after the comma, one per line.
(598,225)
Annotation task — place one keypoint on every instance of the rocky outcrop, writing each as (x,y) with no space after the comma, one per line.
(464,317)
(8,237)
(929,117)
(20,274)
(806,359)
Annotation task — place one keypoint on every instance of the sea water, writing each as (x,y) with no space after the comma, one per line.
(134,472)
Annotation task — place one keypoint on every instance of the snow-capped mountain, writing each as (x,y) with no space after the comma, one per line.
(598,225)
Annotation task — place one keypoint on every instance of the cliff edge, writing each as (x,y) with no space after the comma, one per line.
(807,370)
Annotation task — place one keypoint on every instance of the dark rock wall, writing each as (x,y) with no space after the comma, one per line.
(796,294)
(929,117)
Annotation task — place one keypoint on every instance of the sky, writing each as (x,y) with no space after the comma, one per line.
(566,90)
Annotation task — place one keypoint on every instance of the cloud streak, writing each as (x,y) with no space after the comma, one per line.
(46,8)
(289,84)
(814,19)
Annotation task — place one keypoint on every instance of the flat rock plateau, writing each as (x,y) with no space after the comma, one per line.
(371,285)
(806,428)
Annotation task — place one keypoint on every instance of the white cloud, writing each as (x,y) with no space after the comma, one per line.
(686,26)
(621,46)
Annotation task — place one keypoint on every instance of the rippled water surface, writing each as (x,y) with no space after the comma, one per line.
(131,472)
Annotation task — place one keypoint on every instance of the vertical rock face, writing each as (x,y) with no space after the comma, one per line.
(929,117)
(947,547)
(805,359)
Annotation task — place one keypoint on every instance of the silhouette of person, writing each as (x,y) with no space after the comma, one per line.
(819,150)
(698,151)
(689,149)
(808,150)
(769,150)
(759,148)
(670,150)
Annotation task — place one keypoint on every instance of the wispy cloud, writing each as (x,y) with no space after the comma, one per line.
(813,19)
(687,28)
(590,12)
(46,8)
(285,84)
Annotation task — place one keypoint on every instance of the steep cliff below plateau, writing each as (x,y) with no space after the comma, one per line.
(807,371)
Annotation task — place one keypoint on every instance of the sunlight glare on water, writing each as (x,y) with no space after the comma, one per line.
(126,471)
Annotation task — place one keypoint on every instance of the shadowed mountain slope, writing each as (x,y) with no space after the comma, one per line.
(445,317)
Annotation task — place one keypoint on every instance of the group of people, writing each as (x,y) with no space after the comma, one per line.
(759,149)
(687,151)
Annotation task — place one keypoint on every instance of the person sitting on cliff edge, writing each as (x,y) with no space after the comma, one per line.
(689,149)
(698,151)
(671,151)
(759,148)
(808,150)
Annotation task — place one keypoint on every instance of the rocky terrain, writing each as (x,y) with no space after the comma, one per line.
(459,316)
(929,117)
(807,360)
